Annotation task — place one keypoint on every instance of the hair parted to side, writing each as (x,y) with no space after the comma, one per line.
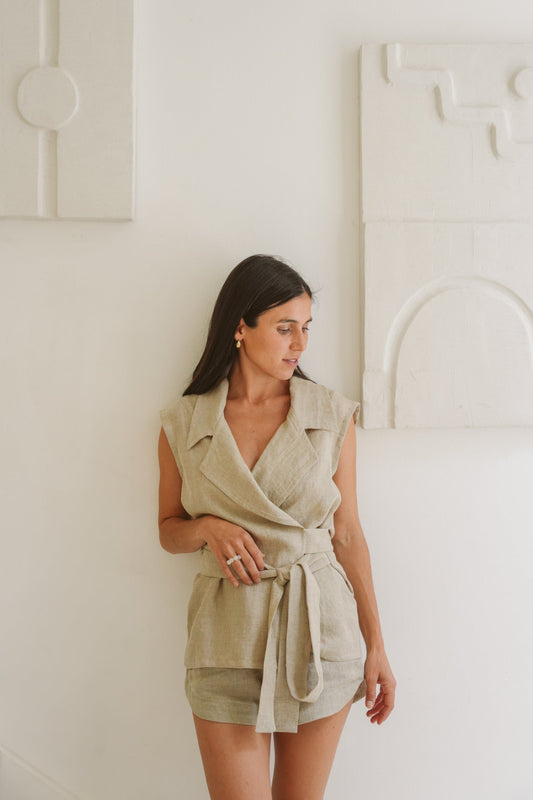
(256,284)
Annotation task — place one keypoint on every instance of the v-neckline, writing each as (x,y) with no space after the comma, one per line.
(274,435)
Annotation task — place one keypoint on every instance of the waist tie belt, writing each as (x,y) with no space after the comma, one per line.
(293,634)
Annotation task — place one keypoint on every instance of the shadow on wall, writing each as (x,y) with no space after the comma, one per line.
(18,779)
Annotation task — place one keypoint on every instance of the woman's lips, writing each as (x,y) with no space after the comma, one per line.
(292,361)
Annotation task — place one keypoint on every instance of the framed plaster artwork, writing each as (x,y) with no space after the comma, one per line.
(67,109)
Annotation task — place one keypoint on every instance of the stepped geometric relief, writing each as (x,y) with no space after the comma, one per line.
(497,119)
(448,235)
(425,160)
(67,110)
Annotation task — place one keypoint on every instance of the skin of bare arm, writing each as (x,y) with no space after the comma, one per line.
(178,533)
(352,552)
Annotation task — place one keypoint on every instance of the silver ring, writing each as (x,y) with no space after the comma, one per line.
(230,561)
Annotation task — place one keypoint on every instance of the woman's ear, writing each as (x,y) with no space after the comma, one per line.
(239,330)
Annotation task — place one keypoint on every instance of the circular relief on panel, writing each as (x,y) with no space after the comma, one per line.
(47,97)
(523,83)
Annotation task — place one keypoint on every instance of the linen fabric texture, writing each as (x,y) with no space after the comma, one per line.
(288,649)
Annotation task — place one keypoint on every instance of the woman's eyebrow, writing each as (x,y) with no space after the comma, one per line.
(295,320)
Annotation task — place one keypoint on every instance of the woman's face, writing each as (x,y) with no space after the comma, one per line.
(274,346)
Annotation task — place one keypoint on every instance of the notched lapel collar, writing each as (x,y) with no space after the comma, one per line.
(223,464)
(208,409)
(286,461)
(289,457)
(224,467)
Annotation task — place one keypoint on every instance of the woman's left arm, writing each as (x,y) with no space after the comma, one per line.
(352,552)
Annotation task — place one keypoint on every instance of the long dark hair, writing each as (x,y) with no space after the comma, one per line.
(256,284)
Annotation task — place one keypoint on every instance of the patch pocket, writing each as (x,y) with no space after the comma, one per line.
(340,569)
(339,623)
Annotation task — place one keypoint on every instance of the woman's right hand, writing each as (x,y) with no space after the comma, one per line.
(225,540)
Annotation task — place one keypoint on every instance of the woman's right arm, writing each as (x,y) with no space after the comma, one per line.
(178,533)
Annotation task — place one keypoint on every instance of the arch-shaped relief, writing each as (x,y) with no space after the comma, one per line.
(410,311)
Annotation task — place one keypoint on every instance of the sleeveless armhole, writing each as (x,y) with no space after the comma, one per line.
(169,423)
(347,410)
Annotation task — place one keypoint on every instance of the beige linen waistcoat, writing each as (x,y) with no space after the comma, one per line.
(304,605)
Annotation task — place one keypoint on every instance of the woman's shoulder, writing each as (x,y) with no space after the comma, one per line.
(181,407)
(318,403)
(199,410)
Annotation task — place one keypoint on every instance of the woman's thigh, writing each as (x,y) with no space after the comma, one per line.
(304,759)
(236,760)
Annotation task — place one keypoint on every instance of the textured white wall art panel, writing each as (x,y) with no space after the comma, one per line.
(448,325)
(447,131)
(19,142)
(447,163)
(67,109)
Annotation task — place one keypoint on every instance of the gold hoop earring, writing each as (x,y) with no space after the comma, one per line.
(237,343)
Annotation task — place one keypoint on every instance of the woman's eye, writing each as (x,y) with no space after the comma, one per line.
(288,330)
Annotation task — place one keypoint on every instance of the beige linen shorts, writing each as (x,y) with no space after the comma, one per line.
(228,694)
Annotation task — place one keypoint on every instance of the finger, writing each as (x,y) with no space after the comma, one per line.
(222,560)
(240,572)
(374,713)
(254,551)
(377,705)
(251,566)
(376,709)
(384,710)
(370,697)
(382,715)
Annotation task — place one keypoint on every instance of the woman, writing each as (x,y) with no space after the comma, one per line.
(258,471)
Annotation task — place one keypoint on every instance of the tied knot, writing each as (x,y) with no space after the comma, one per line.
(283,574)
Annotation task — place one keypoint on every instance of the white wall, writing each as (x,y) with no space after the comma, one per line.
(247,142)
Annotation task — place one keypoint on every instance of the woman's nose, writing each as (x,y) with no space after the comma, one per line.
(299,341)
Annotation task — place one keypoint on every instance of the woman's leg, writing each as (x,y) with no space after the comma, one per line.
(236,760)
(304,759)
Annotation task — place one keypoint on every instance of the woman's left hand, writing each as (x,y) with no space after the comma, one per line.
(378,671)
